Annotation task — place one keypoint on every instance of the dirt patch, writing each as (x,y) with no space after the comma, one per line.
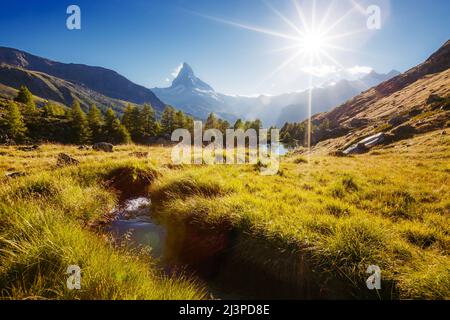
(130,182)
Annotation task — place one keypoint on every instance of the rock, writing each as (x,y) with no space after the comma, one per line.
(138,154)
(29,148)
(103,146)
(359,122)
(337,153)
(17,174)
(434,98)
(65,160)
(443,133)
(415,112)
(365,144)
(396,121)
(357,148)
(403,132)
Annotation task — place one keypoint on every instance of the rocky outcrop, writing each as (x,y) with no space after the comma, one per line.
(366,144)
(13,175)
(403,132)
(66,160)
(28,148)
(103,146)
(138,154)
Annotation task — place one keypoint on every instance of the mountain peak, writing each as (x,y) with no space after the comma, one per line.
(186,78)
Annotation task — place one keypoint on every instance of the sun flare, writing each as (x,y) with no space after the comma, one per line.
(312,43)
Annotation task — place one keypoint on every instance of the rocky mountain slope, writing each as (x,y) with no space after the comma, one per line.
(414,102)
(91,81)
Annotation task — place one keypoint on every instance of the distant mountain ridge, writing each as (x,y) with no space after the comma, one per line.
(194,96)
(105,82)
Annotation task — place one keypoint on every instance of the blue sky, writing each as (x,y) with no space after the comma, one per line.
(146,40)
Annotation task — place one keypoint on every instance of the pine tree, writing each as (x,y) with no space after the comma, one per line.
(26,97)
(212,122)
(119,133)
(189,124)
(80,127)
(224,125)
(48,110)
(238,124)
(148,121)
(179,120)
(167,120)
(158,128)
(114,131)
(95,122)
(110,117)
(133,122)
(15,125)
(126,118)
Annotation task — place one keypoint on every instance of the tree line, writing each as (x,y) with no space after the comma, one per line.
(24,122)
(296,133)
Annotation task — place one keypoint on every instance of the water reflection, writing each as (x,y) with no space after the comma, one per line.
(133,226)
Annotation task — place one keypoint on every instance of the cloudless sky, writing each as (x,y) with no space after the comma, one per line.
(145,40)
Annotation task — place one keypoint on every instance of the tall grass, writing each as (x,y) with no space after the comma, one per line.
(44,228)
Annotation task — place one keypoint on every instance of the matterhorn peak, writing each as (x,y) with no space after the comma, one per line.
(187,79)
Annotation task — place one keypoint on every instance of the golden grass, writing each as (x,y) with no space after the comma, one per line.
(389,208)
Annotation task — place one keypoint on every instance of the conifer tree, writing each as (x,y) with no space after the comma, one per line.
(148,121)
(26,97)
(80,127)
(15,126)
(114,131)
(167,120)
(212,122)
(95,122)
(238,124)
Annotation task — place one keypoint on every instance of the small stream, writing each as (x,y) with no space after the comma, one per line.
(134,225)
(199,252)
(219,259)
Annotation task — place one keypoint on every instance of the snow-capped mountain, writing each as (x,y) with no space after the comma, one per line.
(194,96)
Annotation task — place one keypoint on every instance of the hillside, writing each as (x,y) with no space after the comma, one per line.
(46,87)
(414,102)
(96,80)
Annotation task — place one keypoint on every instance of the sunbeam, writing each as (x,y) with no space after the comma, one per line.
(313,39)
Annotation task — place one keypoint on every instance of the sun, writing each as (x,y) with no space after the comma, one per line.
(312,43)
(311,40)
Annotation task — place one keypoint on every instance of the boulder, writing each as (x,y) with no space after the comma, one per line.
(433,98)
(398,120)
(28,148)
(65,160)
(403,132)
(357,148)
(138,154)
(103,146)
(359,122)
(13,175)
(415,112)
(367,143)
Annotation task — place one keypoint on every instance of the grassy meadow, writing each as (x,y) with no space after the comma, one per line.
(339,214)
